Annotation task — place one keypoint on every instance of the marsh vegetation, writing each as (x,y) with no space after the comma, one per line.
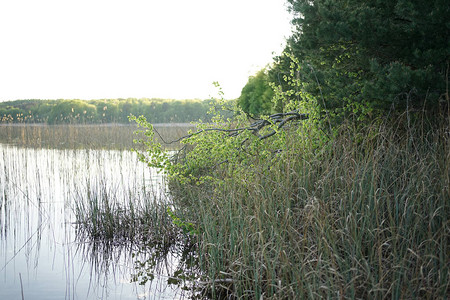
(362,214)
(91,136)
(78,214)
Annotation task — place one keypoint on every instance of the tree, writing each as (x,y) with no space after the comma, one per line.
(72,111)
(256,96)
(361,56)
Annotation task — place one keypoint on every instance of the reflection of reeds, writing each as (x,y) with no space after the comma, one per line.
(151,267)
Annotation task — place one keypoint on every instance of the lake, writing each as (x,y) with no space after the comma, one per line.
(45,174)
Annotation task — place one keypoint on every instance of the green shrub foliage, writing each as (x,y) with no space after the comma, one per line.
(256,96)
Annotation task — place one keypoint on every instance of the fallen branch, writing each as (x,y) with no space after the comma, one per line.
(280,118)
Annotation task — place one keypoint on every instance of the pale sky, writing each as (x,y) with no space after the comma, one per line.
(94,49)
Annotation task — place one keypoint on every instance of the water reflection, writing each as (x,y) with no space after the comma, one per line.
(41,253)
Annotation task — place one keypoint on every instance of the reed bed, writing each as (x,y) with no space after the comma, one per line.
(361,216)
(95,136)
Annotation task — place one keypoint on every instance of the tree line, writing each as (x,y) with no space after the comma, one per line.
(359,58)
(76,111)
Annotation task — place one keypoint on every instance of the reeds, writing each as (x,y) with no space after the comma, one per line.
(95,136)
(104,213)
(134,216)
(361,216)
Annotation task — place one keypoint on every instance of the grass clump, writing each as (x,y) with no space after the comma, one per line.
(104,215)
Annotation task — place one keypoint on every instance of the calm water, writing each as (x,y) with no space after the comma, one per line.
(41,256)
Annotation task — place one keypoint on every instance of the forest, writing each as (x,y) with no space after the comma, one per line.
(103,111)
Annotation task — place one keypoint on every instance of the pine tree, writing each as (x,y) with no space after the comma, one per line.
(361,55)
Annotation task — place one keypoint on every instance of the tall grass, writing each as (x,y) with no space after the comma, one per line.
(103,213)
(361,216)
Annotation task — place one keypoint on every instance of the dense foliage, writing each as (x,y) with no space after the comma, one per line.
(256,96)
(102,111)
(368,57)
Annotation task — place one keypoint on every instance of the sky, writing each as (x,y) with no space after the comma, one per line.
(98,49)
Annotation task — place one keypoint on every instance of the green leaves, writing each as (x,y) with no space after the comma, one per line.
(186,227)
(256,96)
(154,156)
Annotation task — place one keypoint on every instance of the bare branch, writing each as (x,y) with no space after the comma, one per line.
(279,118)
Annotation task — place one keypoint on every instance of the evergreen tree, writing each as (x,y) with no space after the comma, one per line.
(359,55)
